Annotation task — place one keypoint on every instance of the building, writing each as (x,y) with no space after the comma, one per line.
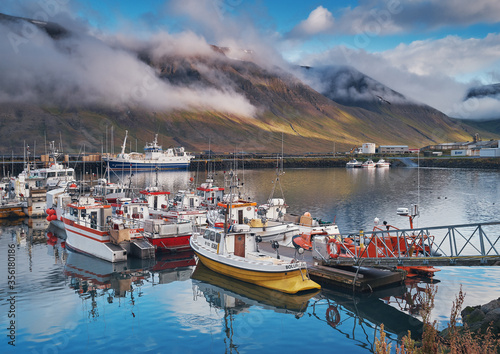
(465,152)
(368,148)
(393,149)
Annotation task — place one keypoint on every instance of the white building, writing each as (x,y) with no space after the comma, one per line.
(368,148)
(393,149)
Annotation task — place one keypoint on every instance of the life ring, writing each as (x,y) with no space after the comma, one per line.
(333,254)
(332,316)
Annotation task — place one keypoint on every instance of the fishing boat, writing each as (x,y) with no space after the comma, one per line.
(368,164)
(154,158)
(235,253)
(382,163)
(167,235)
(353,164)
(228,292)
(91,229)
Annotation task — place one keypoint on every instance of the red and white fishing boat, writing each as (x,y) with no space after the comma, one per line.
(167,235)
(90,229)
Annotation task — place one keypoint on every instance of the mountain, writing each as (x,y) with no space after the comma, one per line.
(87,92)
(484,91)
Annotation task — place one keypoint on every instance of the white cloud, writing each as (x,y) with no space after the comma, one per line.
(320,20)
(382,17)
(428,71)
(82,69)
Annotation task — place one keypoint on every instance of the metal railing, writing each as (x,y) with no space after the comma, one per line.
(466,244)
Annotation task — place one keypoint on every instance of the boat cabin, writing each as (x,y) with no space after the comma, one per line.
(156,199)
(241,211)
(86,212)
(238,241)
(210,194)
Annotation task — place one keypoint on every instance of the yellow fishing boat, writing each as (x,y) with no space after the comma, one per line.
(235,253)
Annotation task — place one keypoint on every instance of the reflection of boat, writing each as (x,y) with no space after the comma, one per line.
(353,164)
(170,267)
(154,158)
(92,278)
(226,290)
(235,253)
(340,310)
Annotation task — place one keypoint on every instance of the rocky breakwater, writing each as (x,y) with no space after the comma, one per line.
(479,318)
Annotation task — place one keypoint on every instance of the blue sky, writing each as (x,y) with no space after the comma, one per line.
(429,50)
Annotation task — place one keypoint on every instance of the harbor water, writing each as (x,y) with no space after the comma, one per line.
(57,301)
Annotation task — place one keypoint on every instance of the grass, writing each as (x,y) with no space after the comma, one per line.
(454,339)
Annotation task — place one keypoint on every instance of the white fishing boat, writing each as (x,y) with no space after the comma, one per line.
(154,158)
(368,164)
(90,229)
(382,163)
(353,164)
(235,253)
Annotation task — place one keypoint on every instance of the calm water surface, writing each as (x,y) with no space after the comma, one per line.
(69,303)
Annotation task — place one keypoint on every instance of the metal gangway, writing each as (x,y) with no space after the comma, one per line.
(453,245)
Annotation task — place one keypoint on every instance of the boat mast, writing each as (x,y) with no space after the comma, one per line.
(124,142)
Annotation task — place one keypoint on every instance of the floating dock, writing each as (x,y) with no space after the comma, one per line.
(358,279)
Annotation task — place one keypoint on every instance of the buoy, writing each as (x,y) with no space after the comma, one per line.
(53,217)
(308,214)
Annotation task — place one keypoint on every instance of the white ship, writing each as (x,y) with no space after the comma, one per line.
(153,159)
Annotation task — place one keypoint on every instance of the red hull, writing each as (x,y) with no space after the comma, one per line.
(177,243)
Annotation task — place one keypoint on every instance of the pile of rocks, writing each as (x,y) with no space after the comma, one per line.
(478,318)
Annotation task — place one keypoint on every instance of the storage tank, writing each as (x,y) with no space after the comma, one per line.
(368,148)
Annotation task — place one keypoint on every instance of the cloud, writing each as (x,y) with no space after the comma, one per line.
(230,24)
(389,17)
(81,69)
(320,21)
(429,71)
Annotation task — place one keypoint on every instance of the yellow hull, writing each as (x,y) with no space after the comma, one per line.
(11,212)
(290,282)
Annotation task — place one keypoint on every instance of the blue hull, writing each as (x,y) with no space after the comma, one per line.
(147,166)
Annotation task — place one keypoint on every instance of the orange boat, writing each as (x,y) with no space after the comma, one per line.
(305,239)
(387,245)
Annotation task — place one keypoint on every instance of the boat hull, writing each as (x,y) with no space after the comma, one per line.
(291,282)
(88,241)
(11,212)
(170,244)
(147,166)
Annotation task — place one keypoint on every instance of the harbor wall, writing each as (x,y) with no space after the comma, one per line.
(93,166)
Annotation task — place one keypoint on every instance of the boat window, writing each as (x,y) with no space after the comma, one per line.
(74,212)
(125,209)
(212,235)
(93,219)
(217,237)
(84,213)
(206,234)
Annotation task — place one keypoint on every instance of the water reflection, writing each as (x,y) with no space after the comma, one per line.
(93,278)
(356,316)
